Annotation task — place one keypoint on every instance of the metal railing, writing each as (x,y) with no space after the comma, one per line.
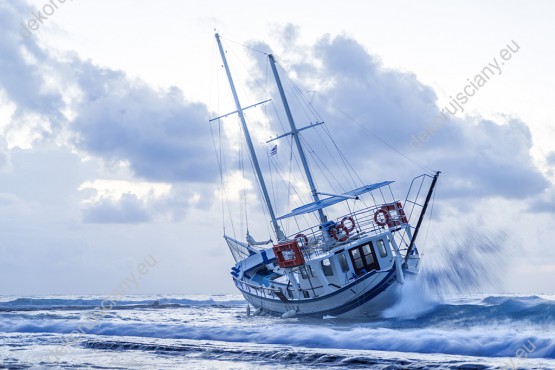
(319,240)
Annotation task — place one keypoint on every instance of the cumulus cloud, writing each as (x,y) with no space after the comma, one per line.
(157,132)
(118,201)
(161,136)
(26,73)
(46,176)
(479,158)
(128,209)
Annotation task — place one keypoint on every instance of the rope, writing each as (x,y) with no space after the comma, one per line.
(318,117)
(244,45)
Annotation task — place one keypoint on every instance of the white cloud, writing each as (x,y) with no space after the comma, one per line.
(162,136)
(127,209)
(115,189)
(480,158)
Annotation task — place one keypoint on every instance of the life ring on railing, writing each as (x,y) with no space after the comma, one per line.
(385,214)
(345,233)
(342,224)
(303,238)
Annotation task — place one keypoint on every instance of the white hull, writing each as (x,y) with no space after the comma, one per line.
(366,297)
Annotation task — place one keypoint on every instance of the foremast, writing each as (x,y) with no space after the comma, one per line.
(262,183)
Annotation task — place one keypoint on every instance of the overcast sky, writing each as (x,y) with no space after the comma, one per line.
(106,155)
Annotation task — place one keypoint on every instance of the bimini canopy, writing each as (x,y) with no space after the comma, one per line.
(323,203)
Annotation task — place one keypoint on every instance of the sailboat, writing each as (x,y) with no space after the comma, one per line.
(348,265)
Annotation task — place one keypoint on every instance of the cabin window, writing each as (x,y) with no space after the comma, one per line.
(304,273)
(306,294)
(363,258)
(381,248)
(368,255)
(343,262)
(326,267)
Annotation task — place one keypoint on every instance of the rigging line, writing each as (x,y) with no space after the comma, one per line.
(242,202)
(300,94)
(272,180)
(266,74)
(248,71)
(272,187)
(344,168)
(346,163)
(279,172)
(221,165)
(223,162)
(283,129)
(265,212)
(234,71)
(295,89)
(244,205)
(214,76)
(315,154)
(272,102)
(298,97)
(291,186)
(342,156)
(289,175)
(425,168)
(317,158)
(320,136)
(226,189)
(344,159)
(220,172)
(293,156)
(243,45)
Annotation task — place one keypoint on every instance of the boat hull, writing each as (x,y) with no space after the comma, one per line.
(366,297)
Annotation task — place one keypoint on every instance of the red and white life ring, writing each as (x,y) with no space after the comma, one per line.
(351,220)
(385,214)
(345,233)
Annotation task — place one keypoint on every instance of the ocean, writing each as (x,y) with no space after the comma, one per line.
(214,332)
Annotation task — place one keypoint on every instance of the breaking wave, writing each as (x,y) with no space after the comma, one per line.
(490,326)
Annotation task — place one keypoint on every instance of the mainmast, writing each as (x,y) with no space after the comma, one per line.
(259,176)
(295,134)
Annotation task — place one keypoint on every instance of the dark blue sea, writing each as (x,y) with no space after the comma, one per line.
(214,332)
